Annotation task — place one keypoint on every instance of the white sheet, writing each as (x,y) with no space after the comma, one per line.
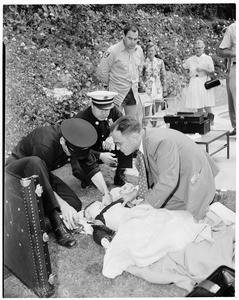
(146,235)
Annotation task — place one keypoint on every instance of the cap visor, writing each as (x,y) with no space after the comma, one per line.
(104,106)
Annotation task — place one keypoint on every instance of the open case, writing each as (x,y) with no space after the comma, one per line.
(26,252)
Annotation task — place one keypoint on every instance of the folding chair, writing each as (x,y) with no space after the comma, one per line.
(156,116)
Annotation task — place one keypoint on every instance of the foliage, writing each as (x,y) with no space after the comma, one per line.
(60,46)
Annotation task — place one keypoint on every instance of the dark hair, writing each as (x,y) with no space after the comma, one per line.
(126,125)
(131,27)
(102,231)
(150,45)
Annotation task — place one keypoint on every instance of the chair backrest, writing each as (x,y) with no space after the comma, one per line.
(171,106)
(159,108)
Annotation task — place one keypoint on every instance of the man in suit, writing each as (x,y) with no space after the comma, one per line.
(180,174)
(101,114)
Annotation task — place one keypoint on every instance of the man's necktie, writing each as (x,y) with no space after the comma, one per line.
(143,183)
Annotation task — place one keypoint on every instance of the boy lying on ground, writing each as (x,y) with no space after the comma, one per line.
(106,219)
(141,240)
(143,234)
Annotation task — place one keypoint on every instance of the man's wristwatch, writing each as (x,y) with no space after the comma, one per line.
(108,193)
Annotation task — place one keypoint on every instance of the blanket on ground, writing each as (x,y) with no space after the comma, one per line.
(191,265)
(146,235)
(196,261)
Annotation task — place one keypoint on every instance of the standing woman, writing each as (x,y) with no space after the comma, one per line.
(153,74)
(199,69)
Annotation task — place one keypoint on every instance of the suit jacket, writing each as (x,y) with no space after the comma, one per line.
(181,171)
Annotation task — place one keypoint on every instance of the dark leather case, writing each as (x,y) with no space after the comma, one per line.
(26,252)
(188,122)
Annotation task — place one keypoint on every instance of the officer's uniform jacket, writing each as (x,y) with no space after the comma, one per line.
(44,142)
(102,127)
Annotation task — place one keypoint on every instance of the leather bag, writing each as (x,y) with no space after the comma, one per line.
(221,283)
(211,83)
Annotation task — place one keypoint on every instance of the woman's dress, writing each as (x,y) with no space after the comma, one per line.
(196,95)
(153,76)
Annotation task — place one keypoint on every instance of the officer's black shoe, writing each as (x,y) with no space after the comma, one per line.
(85,184)
(64,238)
(119,178)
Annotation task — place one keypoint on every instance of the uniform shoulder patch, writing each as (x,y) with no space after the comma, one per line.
(106,54)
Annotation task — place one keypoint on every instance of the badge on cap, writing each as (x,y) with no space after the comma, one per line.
(105,99)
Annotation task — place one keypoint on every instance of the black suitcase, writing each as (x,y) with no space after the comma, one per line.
(188,122)
(26,252)
(221,283)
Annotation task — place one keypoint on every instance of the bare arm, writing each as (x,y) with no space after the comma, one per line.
(207,72)
(103,70)
(226,53)
(185,73)
(69,214)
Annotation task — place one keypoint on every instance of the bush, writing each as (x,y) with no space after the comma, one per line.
(51,47)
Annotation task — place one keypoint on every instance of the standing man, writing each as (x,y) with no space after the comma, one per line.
(120,69)
(227,49)
(48,148)
(101,114)
(178,173)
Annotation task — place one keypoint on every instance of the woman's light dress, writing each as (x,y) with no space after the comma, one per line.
(196,95)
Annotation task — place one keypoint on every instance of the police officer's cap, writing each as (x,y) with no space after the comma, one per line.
(103,99)
(79,133)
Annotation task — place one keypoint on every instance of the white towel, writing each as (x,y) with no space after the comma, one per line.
(227,215)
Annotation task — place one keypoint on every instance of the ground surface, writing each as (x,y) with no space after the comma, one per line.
(78,270)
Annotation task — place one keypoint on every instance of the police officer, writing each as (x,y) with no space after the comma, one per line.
(48,148)
(101,114)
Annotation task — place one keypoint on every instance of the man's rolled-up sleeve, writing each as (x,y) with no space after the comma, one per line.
(103,70)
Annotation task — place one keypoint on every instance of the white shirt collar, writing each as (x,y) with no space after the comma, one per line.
(141,149)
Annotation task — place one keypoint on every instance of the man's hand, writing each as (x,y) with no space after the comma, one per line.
(69,215)
(107,199)
(108,158)
(129,196)
(108,144)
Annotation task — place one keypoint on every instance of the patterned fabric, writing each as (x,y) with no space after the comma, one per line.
(153,76)
(143,183)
